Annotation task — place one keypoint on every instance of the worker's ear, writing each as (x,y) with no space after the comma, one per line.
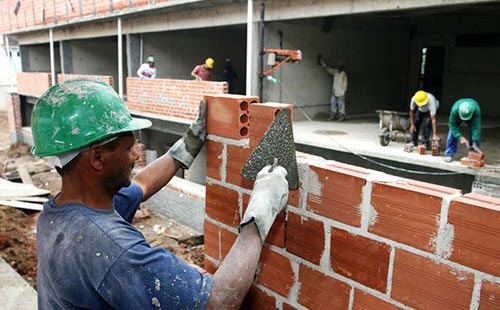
(96,157)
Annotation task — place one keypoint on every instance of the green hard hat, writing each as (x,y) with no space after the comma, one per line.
(76,113)
(466,108)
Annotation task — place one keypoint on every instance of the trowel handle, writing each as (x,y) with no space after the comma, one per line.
(275,164)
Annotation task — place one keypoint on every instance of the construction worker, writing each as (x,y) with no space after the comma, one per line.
(339,88)
(229,75)
(203,72)
(426,106)
(464,110)
(89,254)
(147,70)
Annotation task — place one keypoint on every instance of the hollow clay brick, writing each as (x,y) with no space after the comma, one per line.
(335,192)
(227,239)
(476,156)
(408,212)
(214,159)
(236,159)
(364,301)
(256,299)
(364,260)
(261,117)
(209,266)
(465,161)
(276,235)
(211,239)
(490,296)
(288,307)
(476,222)
(228,115)
(478,163)
(424,284)
(305,237)
(421,149)
(276,272)
(319,291)
(221,204)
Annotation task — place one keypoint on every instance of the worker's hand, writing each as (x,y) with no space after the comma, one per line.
(435,137)
(319,60)
(186,148)
(269,197)
(476,148)
(464,141)
(412,129)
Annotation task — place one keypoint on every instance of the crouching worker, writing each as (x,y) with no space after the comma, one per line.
(465,110)
(89,254)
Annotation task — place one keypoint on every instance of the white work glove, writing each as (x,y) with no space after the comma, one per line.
(187,147)
(269,197)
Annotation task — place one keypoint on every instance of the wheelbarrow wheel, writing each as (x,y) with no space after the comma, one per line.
(384,137)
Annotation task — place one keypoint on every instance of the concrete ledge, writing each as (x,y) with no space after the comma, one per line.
(15,292)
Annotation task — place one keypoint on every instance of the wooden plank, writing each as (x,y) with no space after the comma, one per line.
(12,189)
(22,205)
(30,199)
(25,176)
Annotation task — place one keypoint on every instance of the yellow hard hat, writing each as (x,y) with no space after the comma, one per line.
(209,62)
(421,98)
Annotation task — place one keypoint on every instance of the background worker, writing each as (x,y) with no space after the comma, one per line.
(229,75)
(89,254)
(147,70)
(339,88)
(203,72)
(464,110)
(426,106)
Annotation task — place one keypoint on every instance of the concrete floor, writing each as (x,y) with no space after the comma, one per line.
(359,136)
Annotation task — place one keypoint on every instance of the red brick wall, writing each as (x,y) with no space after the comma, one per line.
(58,11)
(105,78)
(353,238)
(33,83)
(177,98)
(13,105)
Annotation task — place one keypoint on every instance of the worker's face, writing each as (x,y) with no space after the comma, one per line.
(151,64)
(120,163)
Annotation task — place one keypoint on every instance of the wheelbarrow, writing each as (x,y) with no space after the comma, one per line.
(390,124)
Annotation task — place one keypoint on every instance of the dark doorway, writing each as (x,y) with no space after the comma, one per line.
(432,69)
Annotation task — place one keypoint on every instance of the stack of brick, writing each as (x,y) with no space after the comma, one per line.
(409,147)
(473,160)
(167,97)
(421,149)
(352,238)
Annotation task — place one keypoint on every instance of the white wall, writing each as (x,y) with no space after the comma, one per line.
(38,57)
(375,60)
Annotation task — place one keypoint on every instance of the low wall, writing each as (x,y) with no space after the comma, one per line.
(105,78)
(167,97)
(352,238)
(33,84)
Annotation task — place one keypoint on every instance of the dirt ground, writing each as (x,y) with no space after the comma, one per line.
(18,227)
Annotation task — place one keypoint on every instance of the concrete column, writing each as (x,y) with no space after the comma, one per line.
(255,60)
(14,117)
(133,53)
(25,58)
(66,54)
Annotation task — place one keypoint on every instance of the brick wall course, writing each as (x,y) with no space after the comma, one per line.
(407,212)
(105,78)
(319,291)
(228,116)
(490,296)
(211,239)
(276,272)
(335,193)
(305,237)
(258,299)
(424,284)
(261,117)
(236,159)
(227,239)
(222,204)
(364,260)
(364,301)
(33,83)
(214,159)
(476,223)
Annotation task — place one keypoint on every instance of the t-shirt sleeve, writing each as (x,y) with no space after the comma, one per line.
(127,200)
(145,278)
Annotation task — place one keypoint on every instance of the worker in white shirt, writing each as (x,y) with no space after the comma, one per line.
(147,70)
(339,88)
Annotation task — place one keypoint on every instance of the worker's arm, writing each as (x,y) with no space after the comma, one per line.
(476,130)
(139,72)
(236,273)
(454,123)
(322,63)
(194,73)
(412,121)
(434,128)
(154,74)
(182,154)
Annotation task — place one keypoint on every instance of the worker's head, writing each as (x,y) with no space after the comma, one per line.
(209,63)
(421,98)
(74,116)
(151,61)
(340,66)
(466,108)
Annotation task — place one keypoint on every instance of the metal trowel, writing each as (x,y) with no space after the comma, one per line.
(277,147)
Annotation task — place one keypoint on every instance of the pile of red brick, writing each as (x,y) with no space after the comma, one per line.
(474,160)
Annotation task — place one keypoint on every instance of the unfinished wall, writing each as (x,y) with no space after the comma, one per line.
(36,58)
(352,238)
(176,53)
(104,78)
(165,97)
(33,84)
(375,56)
